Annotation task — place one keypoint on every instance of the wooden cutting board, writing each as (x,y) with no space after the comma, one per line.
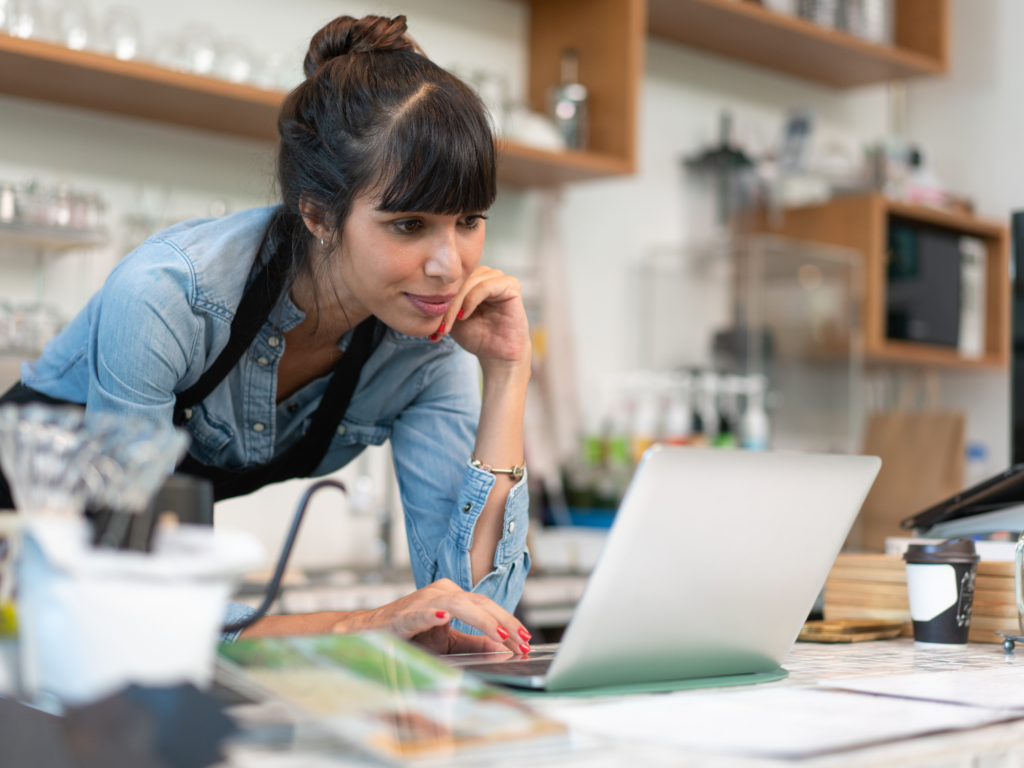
(848,631)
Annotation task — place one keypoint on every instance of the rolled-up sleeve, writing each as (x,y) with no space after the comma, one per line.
(443,495)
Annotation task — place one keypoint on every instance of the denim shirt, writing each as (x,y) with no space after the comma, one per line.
(164,315)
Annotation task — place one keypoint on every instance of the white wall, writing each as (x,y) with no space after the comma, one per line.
(970,126)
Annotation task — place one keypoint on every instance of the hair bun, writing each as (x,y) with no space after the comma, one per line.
(347,35)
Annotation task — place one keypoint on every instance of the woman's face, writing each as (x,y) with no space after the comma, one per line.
(405,268)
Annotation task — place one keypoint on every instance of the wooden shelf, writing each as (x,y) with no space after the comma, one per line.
(861,222)
(53,73)
(38,70)
(524,166)
(751,33)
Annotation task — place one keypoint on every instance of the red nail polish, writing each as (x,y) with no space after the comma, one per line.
(502,633)
(440,614)
(433,337)
(461,313)
(524,648)
(524,634)
(441,329)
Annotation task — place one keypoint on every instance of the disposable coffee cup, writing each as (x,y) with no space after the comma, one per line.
(940,585)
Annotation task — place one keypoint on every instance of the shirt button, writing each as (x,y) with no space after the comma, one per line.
(511,526)
(262,361)
(188,413)
(341,429)
(467,507)
(258,427)
(293,407)
(274,342)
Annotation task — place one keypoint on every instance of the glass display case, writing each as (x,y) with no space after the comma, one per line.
(763,305)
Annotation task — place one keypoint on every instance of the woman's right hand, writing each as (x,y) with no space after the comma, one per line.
(425,616)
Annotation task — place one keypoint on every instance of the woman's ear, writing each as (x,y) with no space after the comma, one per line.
(313,218)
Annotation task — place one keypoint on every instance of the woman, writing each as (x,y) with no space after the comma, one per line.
(287,339)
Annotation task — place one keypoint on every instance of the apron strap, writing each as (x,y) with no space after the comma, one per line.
(305,455)
(254,309)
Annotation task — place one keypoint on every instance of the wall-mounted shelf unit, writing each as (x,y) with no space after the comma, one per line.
(862,222)
(749,32)
(609,40)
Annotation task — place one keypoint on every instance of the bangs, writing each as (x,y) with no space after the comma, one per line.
(438,155)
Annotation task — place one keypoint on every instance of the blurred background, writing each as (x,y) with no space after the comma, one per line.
(738,225)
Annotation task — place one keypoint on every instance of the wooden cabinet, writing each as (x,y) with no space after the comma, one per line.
(754,34)
(608,34)
(862,223)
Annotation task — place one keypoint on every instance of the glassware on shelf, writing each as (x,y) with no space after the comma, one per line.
(122,33)
(8,196)
(198,49)
(824,13)
(46,453)
(32,205)
(567,103)
(166,52)
(234,61)
(73,25)
(267,71)
(22,18)
(58,206)
(785,7)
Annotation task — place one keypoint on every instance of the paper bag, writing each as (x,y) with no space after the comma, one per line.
(922,464)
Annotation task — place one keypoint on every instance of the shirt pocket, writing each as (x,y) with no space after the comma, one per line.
(209,436)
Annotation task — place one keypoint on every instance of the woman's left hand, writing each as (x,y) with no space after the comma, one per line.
(488,319)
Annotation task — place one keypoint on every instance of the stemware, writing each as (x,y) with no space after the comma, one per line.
(122,33)
(73,25)
(198,49)
(234,61)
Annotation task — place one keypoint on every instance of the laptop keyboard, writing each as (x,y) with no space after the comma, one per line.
(524,668)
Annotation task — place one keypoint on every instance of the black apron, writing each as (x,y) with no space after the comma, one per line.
(305,455)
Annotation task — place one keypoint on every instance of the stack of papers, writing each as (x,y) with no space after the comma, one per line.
(997,688)
(789,723)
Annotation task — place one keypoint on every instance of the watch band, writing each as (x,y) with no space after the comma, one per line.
(516,473)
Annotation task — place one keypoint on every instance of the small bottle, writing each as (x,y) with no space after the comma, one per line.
(679,417)
(567,103)
(644,425)
(755,427)
(728,412)
(707,405)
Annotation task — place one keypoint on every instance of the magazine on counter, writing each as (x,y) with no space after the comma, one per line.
(387,696)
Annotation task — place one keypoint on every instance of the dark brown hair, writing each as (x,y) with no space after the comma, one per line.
(374,114)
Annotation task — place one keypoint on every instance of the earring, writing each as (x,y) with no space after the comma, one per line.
(321,242)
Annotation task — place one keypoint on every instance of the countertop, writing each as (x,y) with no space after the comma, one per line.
(995,746)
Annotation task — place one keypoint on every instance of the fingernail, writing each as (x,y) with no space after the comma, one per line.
(524,634)
(524,648)
(441,329)
(502,633)
(433,337)
(441,614)
(461,313)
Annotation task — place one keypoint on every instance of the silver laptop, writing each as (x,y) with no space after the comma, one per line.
(710,569)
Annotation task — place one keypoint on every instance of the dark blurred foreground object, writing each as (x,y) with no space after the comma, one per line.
(178,727)
(188,497)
